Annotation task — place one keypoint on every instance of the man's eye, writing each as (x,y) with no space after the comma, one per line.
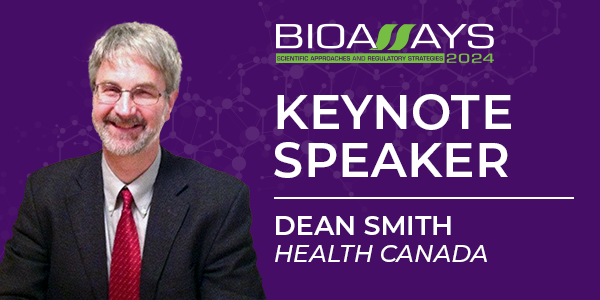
(143,94)
(110,90)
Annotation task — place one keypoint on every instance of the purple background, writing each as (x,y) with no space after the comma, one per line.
(535,248)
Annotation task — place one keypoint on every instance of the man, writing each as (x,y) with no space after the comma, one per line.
(132,221)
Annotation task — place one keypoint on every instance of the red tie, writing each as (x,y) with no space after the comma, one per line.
(126,258)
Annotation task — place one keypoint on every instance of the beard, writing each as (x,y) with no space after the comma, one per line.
(123,144)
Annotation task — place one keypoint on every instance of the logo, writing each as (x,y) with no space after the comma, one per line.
(424,36)
(294,39)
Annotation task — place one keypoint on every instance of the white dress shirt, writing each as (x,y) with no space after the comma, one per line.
(142,189)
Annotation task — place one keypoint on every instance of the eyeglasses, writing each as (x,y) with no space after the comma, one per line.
(110,94)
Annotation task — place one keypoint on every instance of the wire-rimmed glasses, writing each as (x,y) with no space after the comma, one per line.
(108,93)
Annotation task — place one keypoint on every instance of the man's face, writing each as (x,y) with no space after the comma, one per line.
(125,127)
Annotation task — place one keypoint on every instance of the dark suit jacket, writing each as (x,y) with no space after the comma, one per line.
(198,242)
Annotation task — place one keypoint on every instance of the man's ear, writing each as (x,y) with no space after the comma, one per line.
(171,103)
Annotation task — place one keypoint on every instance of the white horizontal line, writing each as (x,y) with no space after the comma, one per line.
(424,198)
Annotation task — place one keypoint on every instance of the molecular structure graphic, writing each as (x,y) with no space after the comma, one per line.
(230,150)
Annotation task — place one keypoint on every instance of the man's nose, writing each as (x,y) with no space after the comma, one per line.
(125,107)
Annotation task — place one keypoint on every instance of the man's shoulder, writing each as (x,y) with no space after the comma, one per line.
(197,173)
(68,168)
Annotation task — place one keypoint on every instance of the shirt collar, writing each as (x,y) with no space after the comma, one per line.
(141,187)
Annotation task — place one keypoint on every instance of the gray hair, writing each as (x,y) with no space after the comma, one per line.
(149,41)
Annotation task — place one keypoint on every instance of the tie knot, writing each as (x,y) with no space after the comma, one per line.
(127,198)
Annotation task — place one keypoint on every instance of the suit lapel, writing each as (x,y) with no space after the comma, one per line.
(86,211)
(166,216)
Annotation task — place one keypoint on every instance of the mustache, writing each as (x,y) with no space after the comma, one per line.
(136,120)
